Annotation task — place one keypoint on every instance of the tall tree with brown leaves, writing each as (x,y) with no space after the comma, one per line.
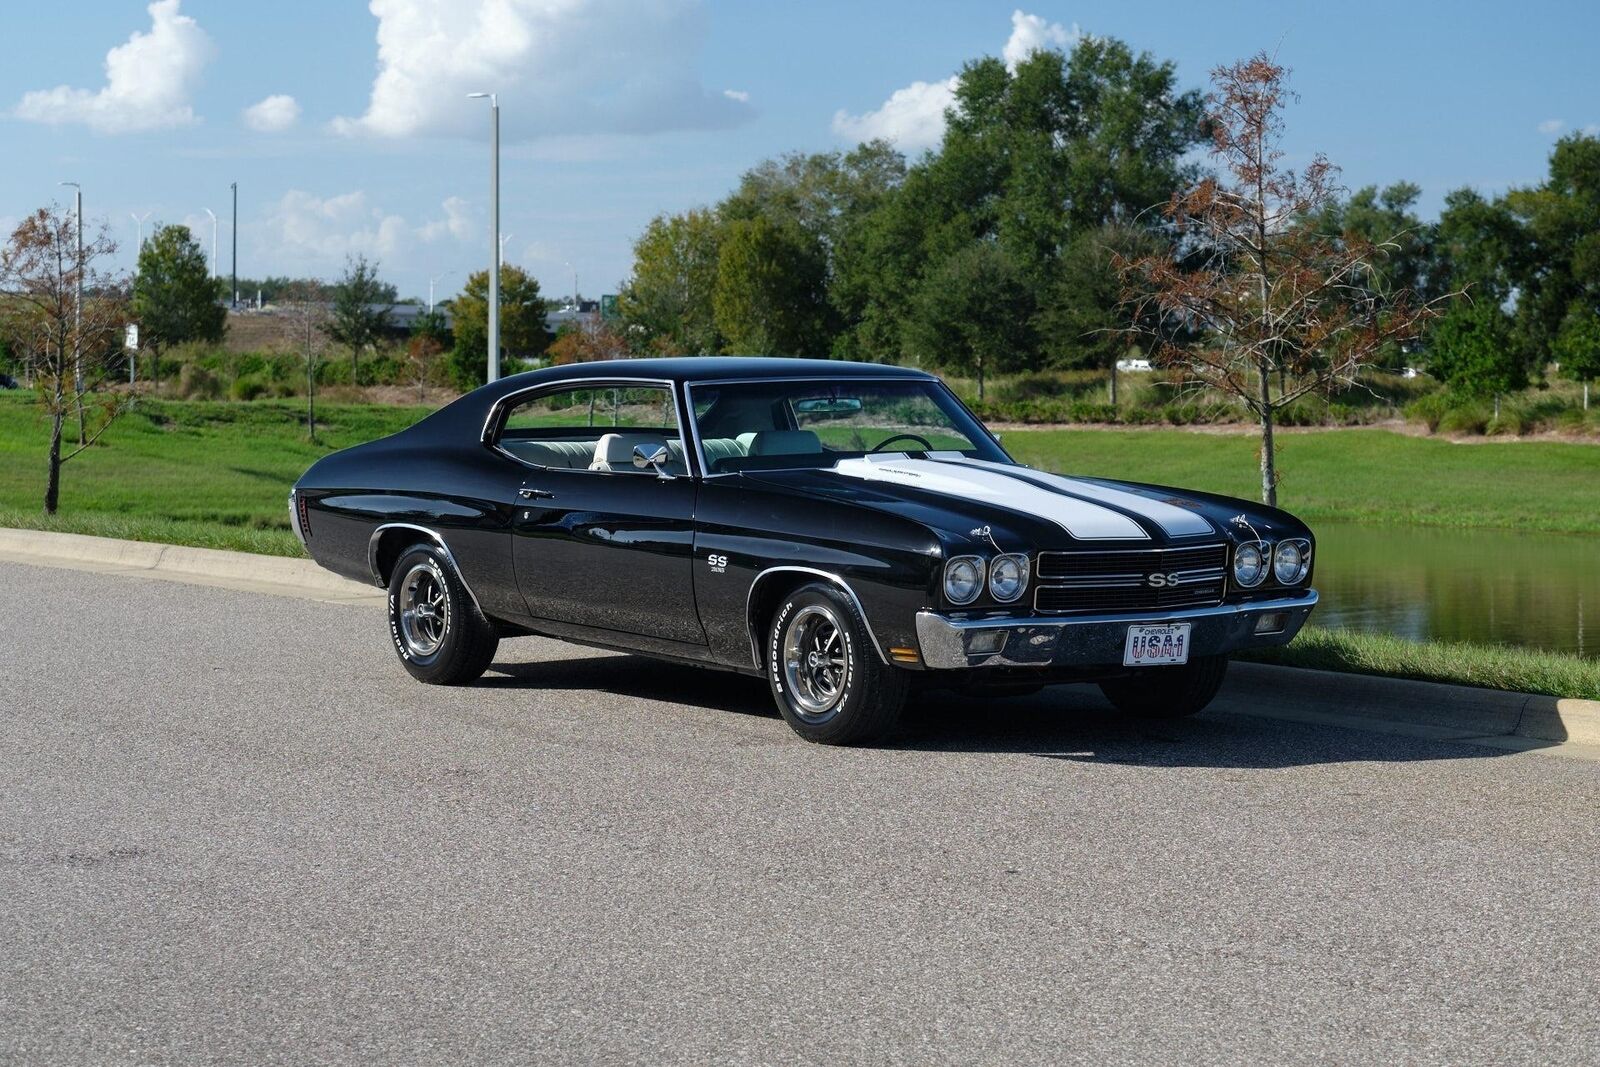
(1255,301)
(41,267)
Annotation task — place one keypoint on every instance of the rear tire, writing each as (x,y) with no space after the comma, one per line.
(438,632)
(826,677)
(1168,692)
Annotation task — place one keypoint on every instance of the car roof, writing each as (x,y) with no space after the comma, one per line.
(714,368)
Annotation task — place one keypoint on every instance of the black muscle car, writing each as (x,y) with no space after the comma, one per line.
(848,531)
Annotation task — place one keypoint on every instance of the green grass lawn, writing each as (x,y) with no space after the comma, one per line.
(216,474)
(192,473)
(1367,476)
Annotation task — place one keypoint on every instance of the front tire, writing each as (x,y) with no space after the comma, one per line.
(826,678)
(1168,692)
(438,632)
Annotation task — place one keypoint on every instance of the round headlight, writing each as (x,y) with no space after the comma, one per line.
(1249,565)
(963,579)
(1289,563)
(1008,577)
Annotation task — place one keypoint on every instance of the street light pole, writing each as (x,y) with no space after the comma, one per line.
(77,312)
(213,215)
(235,188)
(494,231)
(431,282)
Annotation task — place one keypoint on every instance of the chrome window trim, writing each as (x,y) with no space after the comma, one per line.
(489,437)
(435,536)
(917,376)
(750,595)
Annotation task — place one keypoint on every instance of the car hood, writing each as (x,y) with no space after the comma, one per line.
(1026,508)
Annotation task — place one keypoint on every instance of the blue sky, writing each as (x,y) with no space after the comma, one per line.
(616,110)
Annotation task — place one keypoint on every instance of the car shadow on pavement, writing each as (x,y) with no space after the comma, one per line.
(1070,723)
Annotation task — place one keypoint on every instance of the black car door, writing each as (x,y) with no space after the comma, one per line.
(605,544)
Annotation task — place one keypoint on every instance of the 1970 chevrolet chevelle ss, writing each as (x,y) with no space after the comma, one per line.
(848,531)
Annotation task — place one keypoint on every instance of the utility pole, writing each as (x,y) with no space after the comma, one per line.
(235,188)
(494,231)
(77,313)
(213,215)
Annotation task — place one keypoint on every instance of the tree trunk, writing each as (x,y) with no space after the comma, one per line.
(1269,468)
(980,381)
(53,480)
(1113,383)
(1586,395)
(355,361)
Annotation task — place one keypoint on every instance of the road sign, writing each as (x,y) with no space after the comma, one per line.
(130,337)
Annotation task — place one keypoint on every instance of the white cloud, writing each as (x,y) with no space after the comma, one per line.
(148,80)
(737,94)
(1592,130)
(273,115)
(306,233)
(913,117)
(559,66)
(1552,126)
(1031,33)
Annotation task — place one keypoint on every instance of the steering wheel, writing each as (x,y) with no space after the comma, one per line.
(923,441)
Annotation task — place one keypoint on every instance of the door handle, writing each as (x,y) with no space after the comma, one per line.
(536,494)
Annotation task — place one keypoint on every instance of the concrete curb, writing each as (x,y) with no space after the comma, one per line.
(1427,709)
(299,578)
(1434,709)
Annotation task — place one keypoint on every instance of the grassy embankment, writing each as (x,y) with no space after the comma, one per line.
(1516,670)
(216,475)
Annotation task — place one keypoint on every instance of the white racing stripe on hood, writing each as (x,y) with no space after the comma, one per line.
(1080,518)
(1176,521)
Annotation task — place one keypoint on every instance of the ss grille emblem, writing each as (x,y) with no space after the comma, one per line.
(1158,581)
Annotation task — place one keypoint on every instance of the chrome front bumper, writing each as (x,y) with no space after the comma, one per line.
(1098,640)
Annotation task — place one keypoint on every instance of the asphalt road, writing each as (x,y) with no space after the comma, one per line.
(233,830)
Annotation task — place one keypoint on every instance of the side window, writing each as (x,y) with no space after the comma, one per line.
(592,427)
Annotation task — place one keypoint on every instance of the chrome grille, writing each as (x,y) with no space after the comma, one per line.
(1120,580)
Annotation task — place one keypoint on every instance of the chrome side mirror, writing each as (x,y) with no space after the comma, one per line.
(648,456)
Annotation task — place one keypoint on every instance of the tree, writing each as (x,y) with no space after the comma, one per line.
(669,295)
(175,299)
(1271,292)
(305,304)
(1578,347)
(972,315)
(1033,155)
(1472,351)
(522,331)
(1084,320)
(42,275)
(360,312)
(587,343)
(771,292)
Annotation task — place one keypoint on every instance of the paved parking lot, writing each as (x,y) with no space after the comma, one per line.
(234,830)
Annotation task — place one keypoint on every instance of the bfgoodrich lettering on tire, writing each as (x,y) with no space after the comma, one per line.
(438,633)
(828,682)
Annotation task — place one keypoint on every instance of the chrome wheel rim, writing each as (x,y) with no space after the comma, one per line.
(424,609)
(815,665)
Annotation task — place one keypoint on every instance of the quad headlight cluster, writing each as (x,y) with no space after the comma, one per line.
(1288,562)
(1007,577)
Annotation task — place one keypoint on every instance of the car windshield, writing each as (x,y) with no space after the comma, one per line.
(767,425)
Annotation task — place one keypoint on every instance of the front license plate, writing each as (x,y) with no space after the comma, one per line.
(1156,646)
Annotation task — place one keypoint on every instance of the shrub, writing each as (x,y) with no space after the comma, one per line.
(247,388)
(1428,410)
(1465,418)
(197,383)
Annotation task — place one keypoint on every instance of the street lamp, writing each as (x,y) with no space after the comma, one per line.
(494,231)
(138,232)
(213,215)
(431,282)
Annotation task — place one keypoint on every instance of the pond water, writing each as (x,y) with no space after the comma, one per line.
(1487,586)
